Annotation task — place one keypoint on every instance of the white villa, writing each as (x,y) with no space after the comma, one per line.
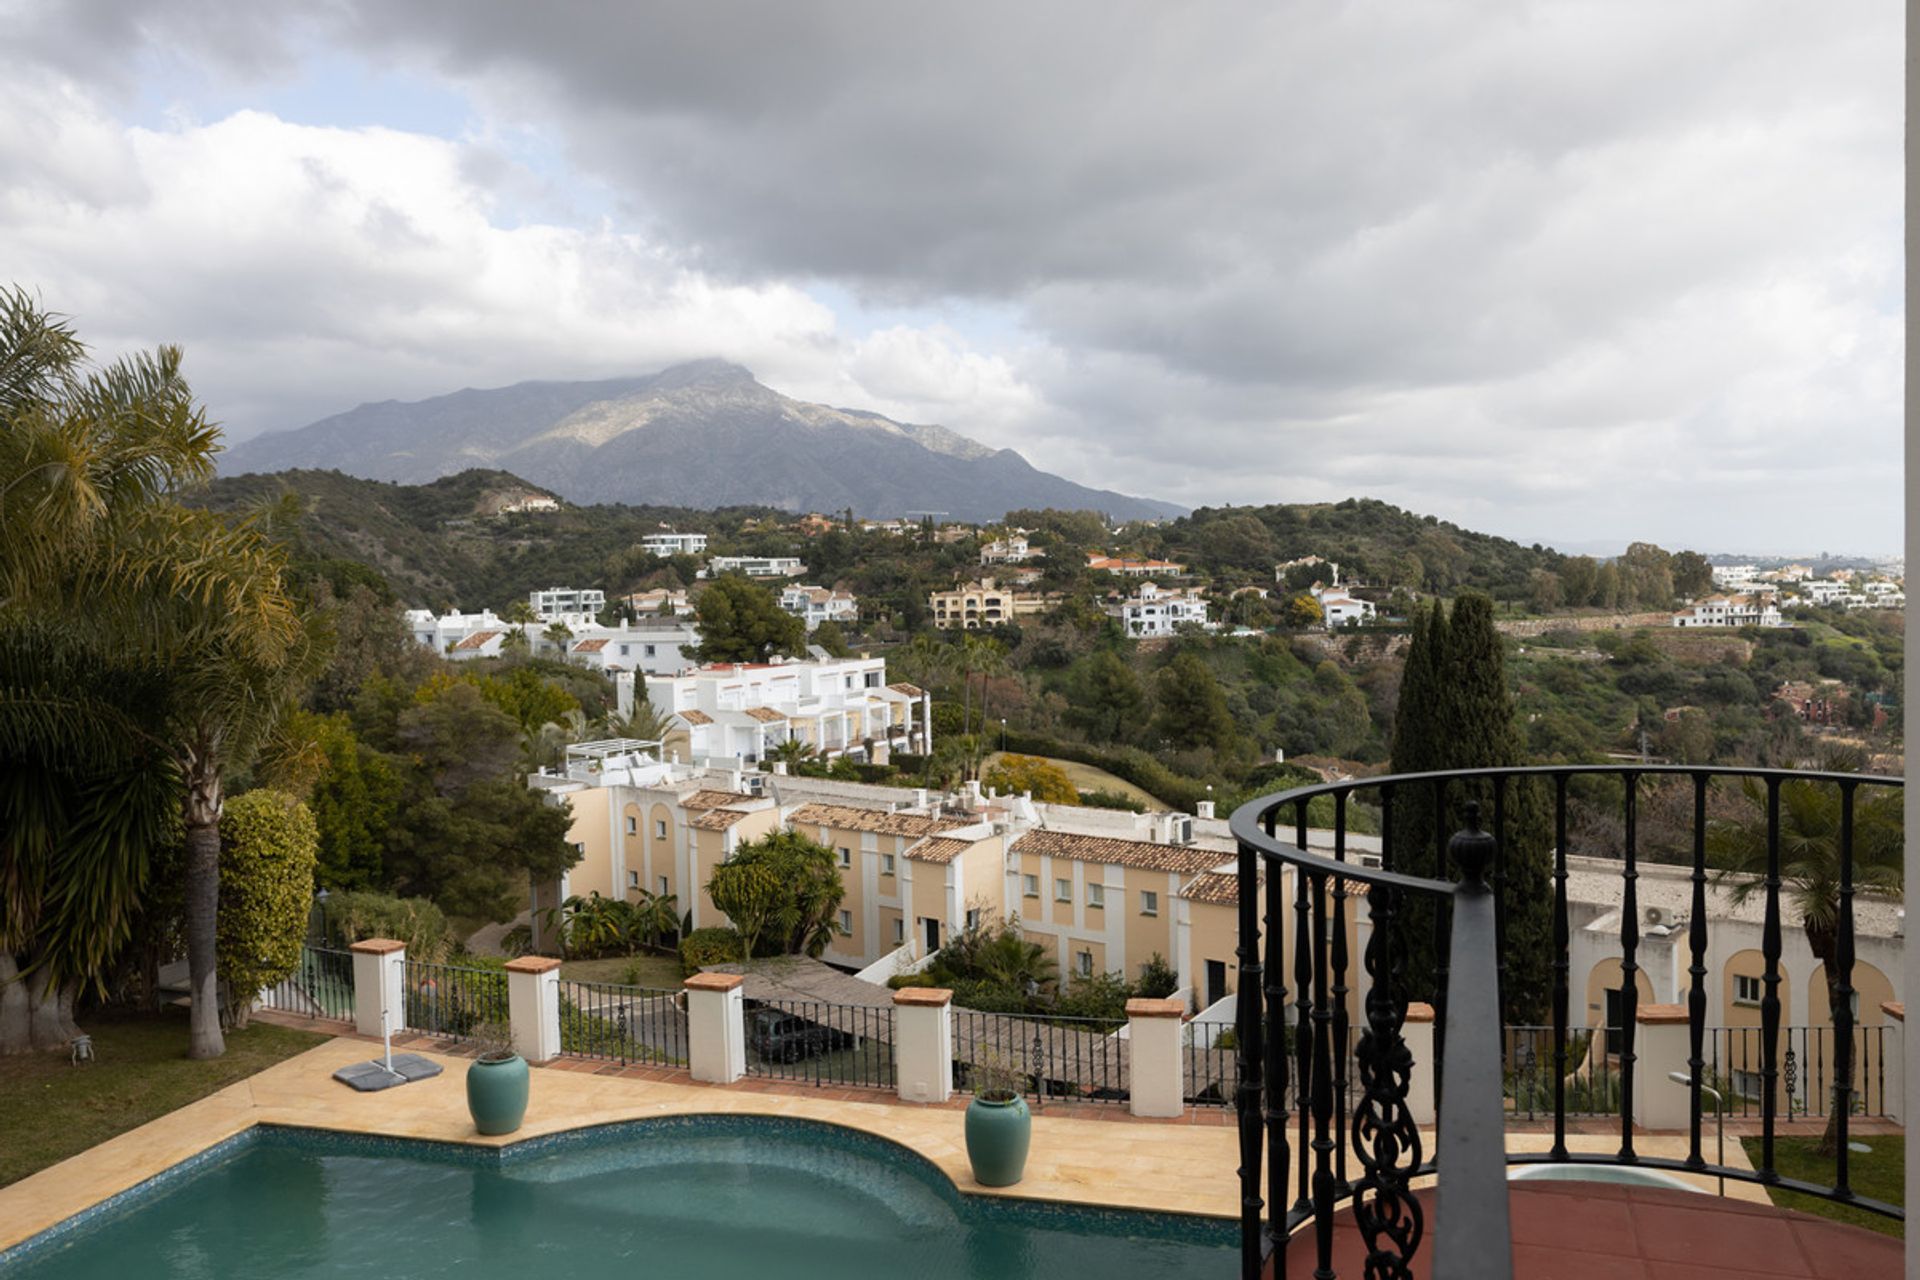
(1730,611)
(669,543)
(733,714)
(1155,611)
(1339,608)
(755,566)
(1012,549)
(555,603)
(816,605)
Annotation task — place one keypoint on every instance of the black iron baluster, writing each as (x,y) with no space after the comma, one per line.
(1279,1146)
(1629,970)
(1341,1020)
(1499,880)
(1840,984)
(1322,1088)
(1442,945)
(1770,984)
(1697,971)
(1247,1046)
(1562,964)
(1303,975)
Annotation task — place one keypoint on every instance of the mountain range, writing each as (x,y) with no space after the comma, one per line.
(703,434)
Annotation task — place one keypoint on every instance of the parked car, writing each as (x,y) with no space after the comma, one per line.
(777,1036)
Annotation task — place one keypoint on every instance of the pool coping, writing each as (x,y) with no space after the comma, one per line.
(1172,1169)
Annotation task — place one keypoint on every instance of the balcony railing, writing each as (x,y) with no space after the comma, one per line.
(1299,1116)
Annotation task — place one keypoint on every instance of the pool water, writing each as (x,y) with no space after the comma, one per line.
(689,1197)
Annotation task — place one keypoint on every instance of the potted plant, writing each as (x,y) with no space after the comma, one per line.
(497,1081)
(999,1126)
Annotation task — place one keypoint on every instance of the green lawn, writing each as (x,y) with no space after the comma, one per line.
(50,1109)
(662,972)
(1877,1176)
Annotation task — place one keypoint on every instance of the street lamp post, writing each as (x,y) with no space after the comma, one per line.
(1719,1121)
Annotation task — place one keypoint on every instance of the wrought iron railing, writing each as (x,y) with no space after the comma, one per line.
(615,1023)
(321,986)
(1437,937)
(821,1043)
(1809,1067)
(1060,1059)
(452,1001)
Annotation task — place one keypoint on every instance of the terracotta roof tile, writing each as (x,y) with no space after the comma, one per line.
(477,640)
(938,849)
(590,646)
(911,690)
(1181,859)
(766,715)
(718,819)
(708,799)
(848,818)
(694,717)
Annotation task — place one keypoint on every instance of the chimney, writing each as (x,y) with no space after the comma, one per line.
(780,768)
(919,797)
(1204,809)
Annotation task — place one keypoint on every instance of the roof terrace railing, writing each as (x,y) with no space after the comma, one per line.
(1294,1168)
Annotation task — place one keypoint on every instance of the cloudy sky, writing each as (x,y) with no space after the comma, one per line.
(1577,272)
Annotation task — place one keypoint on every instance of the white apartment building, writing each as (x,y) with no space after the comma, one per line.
(1729,576)
(1730,611)
(1012,549)
(755,566)
(1340,609)
(1823,591)
(735,713)
(816,605)
(1154,611)
(652,646)
(551,604)
(669,543)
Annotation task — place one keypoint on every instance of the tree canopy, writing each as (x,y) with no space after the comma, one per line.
(742,621)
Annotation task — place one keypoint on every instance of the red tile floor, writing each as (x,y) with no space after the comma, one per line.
(1600,1231)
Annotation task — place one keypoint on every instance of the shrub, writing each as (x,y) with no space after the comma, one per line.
(350,917)
(1157,978)
(268,847)
(1112,800)
(712,945)
(900,980)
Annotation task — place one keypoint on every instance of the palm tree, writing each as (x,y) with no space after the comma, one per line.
(518,612)
(1811,865)
(97,550)
(641,720)
(793,753)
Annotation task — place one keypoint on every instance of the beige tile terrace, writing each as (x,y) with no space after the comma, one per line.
(1166,1166)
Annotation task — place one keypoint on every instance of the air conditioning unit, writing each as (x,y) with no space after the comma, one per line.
(1657,916)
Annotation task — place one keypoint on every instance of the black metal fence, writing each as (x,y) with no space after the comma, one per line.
(821,1043)
(1800,845)
(451,1001)
(321,986)
(1808,1071)
(616,1023)
(1057,1059)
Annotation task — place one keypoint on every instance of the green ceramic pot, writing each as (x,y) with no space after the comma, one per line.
(997,1137)
(497,1094)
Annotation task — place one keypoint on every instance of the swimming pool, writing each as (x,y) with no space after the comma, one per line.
(692,1196)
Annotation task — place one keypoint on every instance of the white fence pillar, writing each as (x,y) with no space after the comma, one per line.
(533,1006)
(1893,1051)
(1417,1031)
(1155,1076)
(716,1027)
(379,983)
(1660,1049)
(923,1044)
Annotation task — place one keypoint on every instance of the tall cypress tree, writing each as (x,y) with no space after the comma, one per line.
(1455,712)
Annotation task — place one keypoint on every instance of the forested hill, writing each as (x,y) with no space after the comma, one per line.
(447,543)
(1372,541)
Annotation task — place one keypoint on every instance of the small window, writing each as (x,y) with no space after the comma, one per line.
(1030,886)
(662,890)
(580,847)
(1746,989)
(1063,891)
(623,650)
(660,829)
(1746,1083)
(846,856)
(899,931)
(973,917)
(1149,903)
(1096,895)
(886,864)
(1083,963)
(633,879)
(846,923)
(633,825)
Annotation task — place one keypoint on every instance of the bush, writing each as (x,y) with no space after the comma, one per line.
(351,917)
(901,980)
(268,847)
(1157,978)
(712,945)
